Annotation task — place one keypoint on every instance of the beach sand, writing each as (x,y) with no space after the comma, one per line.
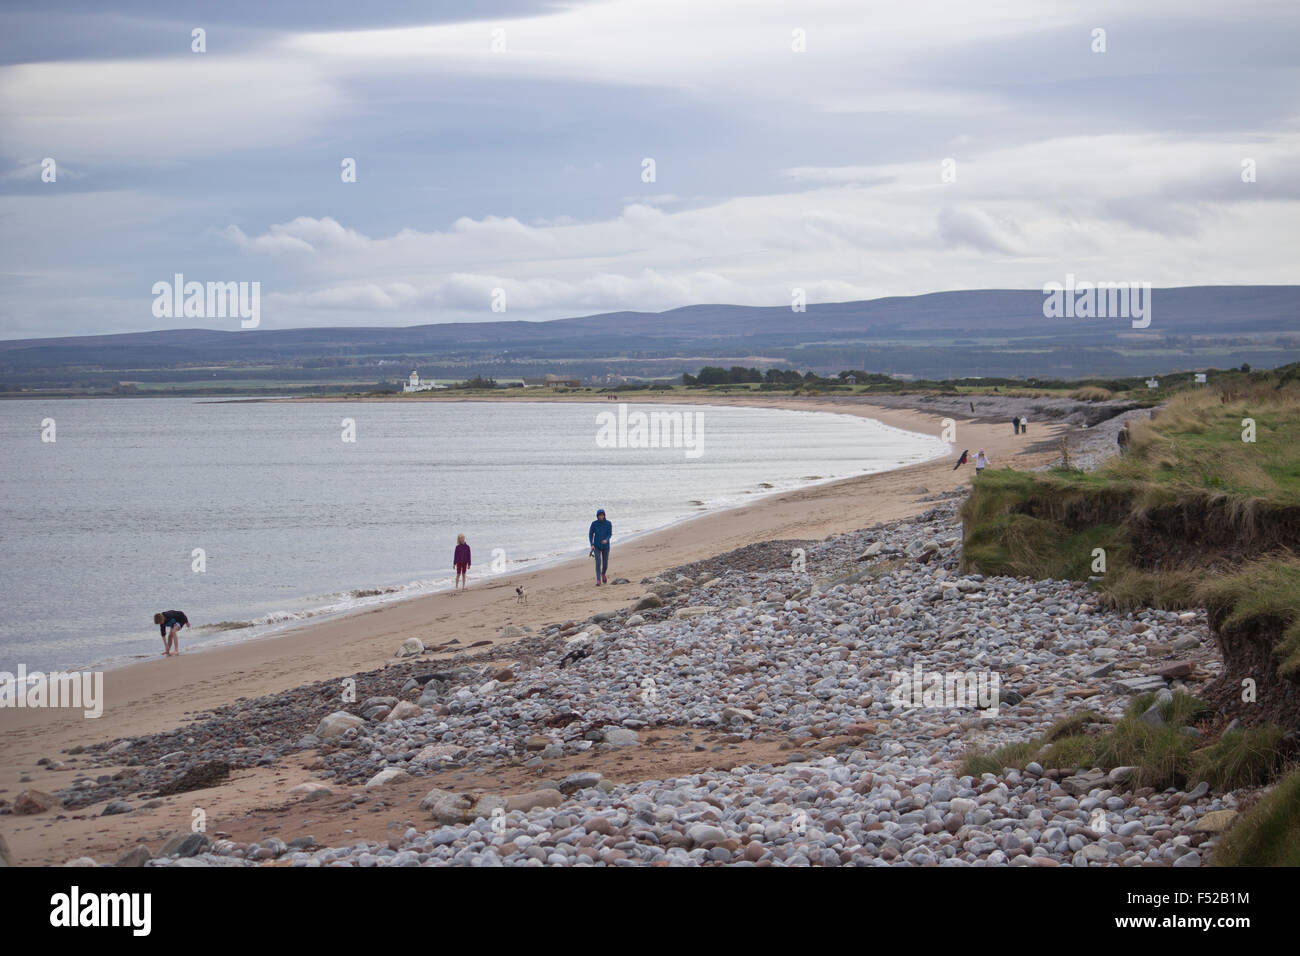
(159,694)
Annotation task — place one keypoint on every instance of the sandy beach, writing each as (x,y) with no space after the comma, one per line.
(156,695)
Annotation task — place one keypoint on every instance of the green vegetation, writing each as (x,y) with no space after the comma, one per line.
(1204,510)
(1268,834)
(1134,389)
(1212,480)
(1162,752)
(1268,588)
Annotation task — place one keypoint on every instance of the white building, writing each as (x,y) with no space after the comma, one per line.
(415,385)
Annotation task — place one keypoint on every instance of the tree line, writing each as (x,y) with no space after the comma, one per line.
(738,375)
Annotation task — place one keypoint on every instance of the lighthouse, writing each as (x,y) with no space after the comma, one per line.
(414,384)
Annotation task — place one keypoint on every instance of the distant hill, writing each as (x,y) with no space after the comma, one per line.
(944,334)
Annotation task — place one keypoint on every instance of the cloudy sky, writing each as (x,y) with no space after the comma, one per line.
(502,144)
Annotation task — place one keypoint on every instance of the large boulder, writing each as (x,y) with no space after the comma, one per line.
(31,802)
(487,804)
(337,724)
(411,647)
(1216,821)
(185,845)
(137,856)
(404,710)
(1082,784)
(548,799)
(387,776)
(447,807)
(702,833)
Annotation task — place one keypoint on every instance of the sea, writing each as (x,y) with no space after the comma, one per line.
(255,517)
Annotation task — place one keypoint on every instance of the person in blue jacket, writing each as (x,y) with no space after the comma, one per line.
(598,535)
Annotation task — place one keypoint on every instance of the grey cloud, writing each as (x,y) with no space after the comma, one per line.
(975,228)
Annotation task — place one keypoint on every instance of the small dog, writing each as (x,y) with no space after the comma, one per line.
(521,596)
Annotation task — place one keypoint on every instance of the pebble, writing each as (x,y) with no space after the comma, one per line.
(808,658)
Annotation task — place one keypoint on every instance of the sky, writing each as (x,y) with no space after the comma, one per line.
(503,152)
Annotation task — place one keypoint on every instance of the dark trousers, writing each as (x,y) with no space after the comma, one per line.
(602,562)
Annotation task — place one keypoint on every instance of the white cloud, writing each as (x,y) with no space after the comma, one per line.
(149,110)
(1047,179)
(996,226)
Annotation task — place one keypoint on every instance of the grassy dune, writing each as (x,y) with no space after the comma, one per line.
(1204,510)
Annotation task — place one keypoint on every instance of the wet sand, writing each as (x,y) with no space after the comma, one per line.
(154,695)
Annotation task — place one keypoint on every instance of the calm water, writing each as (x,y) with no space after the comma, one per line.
(98,528)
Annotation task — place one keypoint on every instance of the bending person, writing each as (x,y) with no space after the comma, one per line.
(169,626)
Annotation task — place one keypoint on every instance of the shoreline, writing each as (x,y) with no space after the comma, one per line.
(148,696)
(323,607)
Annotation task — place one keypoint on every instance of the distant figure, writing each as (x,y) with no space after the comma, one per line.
(981,462)
(1024,425)
(962,460)
(461,560)
(972,408)
(1015,424)
(171,621)
(598,535)
(1122,439)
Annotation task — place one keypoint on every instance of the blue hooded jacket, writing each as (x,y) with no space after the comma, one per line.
(599,533)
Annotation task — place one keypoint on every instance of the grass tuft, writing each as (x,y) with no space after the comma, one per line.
(1268,588)
(1268,834)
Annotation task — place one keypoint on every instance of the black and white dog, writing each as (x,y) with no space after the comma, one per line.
(521,596)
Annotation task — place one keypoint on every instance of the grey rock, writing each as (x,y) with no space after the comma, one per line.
(137,856)
(1196,793)
(185,844)
(702,833)
(337,724)
(579,781)
(1152,716)
(411,647)
(1139,685)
